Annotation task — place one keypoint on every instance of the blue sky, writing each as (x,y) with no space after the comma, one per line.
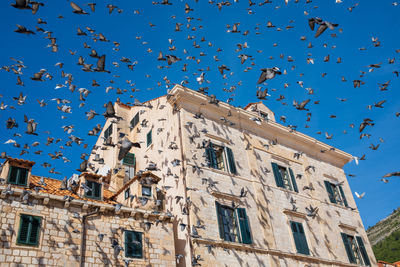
(378,19)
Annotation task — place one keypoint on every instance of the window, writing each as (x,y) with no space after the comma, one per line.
(18,176)
(299,238)
(149,138)
(355,249)
(95,191)
(146,191)
(233,224)
(218,157)
(335,193)
(134,121)
(284,177)
(29,230)
(264,115)
(133,244)
(108,132)
(129,162)
(127,193)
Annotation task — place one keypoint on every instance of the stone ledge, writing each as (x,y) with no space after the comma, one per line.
(295,213)
(273,252)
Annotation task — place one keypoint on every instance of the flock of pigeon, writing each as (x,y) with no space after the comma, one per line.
(192,50)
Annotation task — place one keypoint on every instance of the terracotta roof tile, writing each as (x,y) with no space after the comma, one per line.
(53,187)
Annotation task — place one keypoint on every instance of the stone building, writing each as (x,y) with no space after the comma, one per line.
(229,186)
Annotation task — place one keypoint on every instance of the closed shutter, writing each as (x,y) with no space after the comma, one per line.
(330,192)
(277,175)
(363,250)
(347,246)
(129,159)
(97,190)
(293,180)
(211,157)
(302,236)
(231,160)
(22,176)
(149,138)
(12,176)
(108,132)
(219,217)
(343,196)
(35,230)
(244,226)
(23,229)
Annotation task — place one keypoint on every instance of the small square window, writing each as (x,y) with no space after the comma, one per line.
(18,176)
(133,244)
(95,190)
(264,115)
(146,191)
(127,193)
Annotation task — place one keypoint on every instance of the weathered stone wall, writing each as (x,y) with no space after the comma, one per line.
(59,245)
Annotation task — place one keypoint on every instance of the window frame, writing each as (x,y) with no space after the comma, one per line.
(149,138)
(357,256)
(237,229)
(18,175)
(127,193)
(108,132)
(92,196)
(134,121)
(289,177)
(126,243)
(336,194)
(299,238)
(227,164)
(27,241)
(150,189)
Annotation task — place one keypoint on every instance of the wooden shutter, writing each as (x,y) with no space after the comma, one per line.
(138,247)
(96,190)
(133,244)
(330,192)
(129,249)
(23,229)
(22,176)
(211,157)
(302,236)
(149,138)
(219,217)
(363,250)
(348,248)
(129,159)
(293,180)
(231,160)
(343,196)
(89,193)
(12,175)
(35,230)
(277,175)
(244,226)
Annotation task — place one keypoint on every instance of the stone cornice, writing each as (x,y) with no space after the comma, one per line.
(274,252)
(195,101)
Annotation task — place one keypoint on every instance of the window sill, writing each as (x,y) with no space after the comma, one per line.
(287,190)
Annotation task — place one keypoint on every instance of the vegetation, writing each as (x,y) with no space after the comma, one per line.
(389,248)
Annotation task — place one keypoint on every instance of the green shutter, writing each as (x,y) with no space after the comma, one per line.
(135,120)
(330,192)
(219,217)
(302,236)
(347,246)
(108,132)
(343,196)
(35,230)
(97,190)
(23,229)
(211,157)
(133,244)
(129,159)
(363,250)
(12,175)
(231,160)
(277,175)
(244,226)
(23,175)
(149,138)
(293,180)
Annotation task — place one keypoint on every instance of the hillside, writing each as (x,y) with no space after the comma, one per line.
(385,237)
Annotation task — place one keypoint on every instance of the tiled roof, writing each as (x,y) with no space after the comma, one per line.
(249,104)
(53,187)
(22,161)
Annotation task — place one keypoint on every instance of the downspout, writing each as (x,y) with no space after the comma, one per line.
(83,236)
(184,183)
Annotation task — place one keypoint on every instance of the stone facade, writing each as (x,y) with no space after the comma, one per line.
(182,125)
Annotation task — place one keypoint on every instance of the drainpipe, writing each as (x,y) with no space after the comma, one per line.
(83,236)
